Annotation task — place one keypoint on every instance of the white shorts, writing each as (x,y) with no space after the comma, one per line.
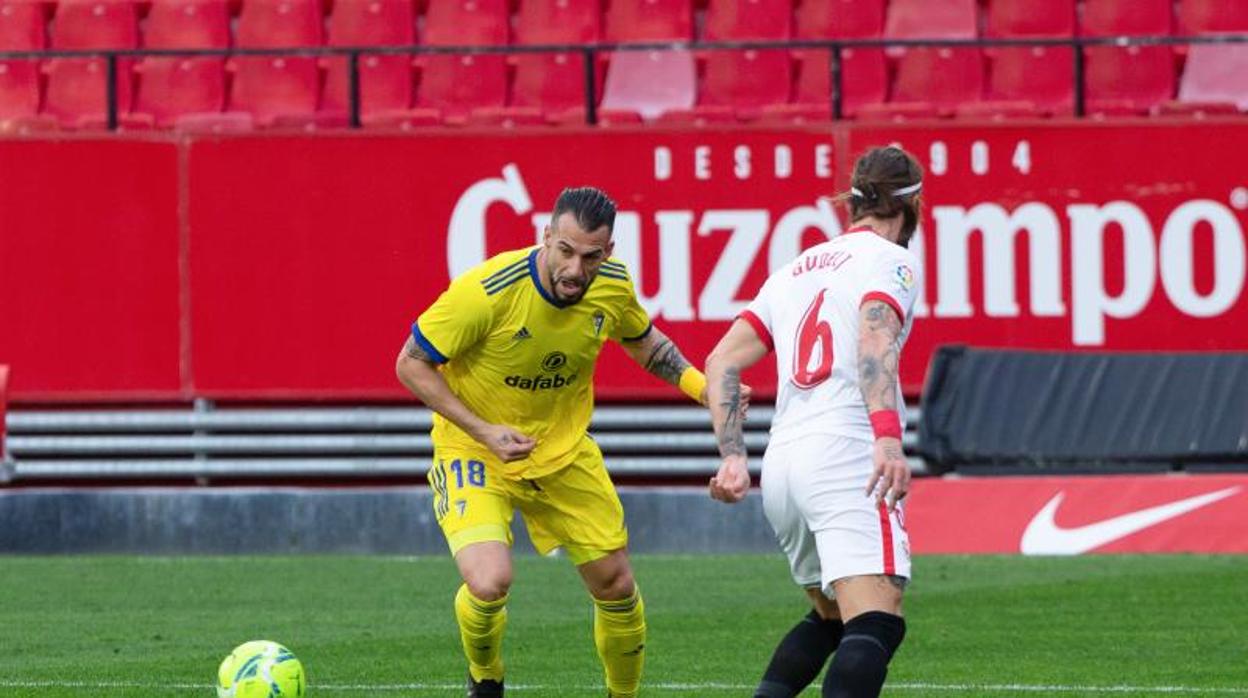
(814,496)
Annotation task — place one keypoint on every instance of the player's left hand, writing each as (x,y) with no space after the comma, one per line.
(732,482)
(890,477)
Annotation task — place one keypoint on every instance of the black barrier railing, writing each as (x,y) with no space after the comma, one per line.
(589,53)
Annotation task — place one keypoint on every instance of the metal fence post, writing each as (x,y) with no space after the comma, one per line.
(838,94)
(591,90)
(353,87)
(110,90)
(1080,108)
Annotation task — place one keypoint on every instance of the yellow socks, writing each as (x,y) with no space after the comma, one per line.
(481,625)
(620,635)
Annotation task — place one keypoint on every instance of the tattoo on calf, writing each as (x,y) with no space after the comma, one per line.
(667,362)
(731,436)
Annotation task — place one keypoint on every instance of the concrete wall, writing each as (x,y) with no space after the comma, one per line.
(398,521)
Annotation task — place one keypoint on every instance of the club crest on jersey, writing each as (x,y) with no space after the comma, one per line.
(598,319)
(905,277)
(554,361)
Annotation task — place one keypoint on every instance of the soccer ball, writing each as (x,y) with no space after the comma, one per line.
(261,669)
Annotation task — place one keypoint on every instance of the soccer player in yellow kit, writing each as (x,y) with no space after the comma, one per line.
(505,358)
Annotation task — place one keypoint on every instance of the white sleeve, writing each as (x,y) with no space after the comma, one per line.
(894,280)
(758,314)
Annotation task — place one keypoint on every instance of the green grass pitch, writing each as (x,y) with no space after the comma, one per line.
(378,626)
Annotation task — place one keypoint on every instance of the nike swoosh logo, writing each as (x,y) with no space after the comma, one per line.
(1044,537)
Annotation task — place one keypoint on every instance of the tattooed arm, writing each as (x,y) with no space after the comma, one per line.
(659,355)
(739,349)
(419,373)
(879,351)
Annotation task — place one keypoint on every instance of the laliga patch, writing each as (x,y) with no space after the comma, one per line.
(905,277)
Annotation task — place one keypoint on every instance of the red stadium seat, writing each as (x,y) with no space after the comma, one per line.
(281,24)
(1213,16)
(172,87)
(21,29)
(1132,80)
(187,24)
(1027,81)
(452,87)
(933,82)
(864,72)
(738,85)
(748,19)
(550,87)
(844,19)
(1215,80)
(645,84)
(77,89)
(1127,17)
(864,81)
(948,19)
(558,22)
(641,21)
(467,23)
(385,80)
(278,89)
(1011,18)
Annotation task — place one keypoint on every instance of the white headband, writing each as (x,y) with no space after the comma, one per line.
(896,193)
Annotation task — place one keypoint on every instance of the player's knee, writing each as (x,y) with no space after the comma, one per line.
(618,585)
(488,585)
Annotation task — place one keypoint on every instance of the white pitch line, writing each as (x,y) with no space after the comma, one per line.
(395,687)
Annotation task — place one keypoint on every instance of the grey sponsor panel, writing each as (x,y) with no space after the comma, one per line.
(395,520)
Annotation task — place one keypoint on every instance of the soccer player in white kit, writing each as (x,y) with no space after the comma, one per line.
(834,473)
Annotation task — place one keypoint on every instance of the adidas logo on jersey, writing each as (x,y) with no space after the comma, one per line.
(522,333)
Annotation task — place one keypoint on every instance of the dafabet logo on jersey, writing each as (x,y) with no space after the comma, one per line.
(551,363)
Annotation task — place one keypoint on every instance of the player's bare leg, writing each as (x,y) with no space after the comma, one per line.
(874,628)
(481,610)
(804,650)
(619,621)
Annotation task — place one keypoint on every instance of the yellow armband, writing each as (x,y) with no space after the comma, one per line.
(693,384)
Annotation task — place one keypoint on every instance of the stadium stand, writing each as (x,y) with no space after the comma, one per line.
(1134,79)
(549,87)
(77,90)
(739,84)
(730,86)
(21,29)
(1033,80)
(6,465)
(452,87)
(174,87)
(278,90)
(385,80)
(864,73)
(652,20)
(915,94)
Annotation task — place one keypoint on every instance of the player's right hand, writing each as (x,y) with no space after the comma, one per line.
(732,482)
(507,443)
(890,477)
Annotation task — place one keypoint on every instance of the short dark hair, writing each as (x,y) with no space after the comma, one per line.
(591,207)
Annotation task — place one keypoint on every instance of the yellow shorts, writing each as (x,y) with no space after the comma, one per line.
(574,507)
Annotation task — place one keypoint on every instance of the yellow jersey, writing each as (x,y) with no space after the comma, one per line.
(513,355)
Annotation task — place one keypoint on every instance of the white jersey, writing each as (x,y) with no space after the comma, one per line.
(808,312)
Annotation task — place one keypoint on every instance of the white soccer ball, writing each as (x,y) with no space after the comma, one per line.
(261,669)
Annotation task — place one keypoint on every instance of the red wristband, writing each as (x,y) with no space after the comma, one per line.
(886,424)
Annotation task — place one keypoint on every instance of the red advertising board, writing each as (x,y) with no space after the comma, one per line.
(1076,515)
(89,275)
(272,266)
